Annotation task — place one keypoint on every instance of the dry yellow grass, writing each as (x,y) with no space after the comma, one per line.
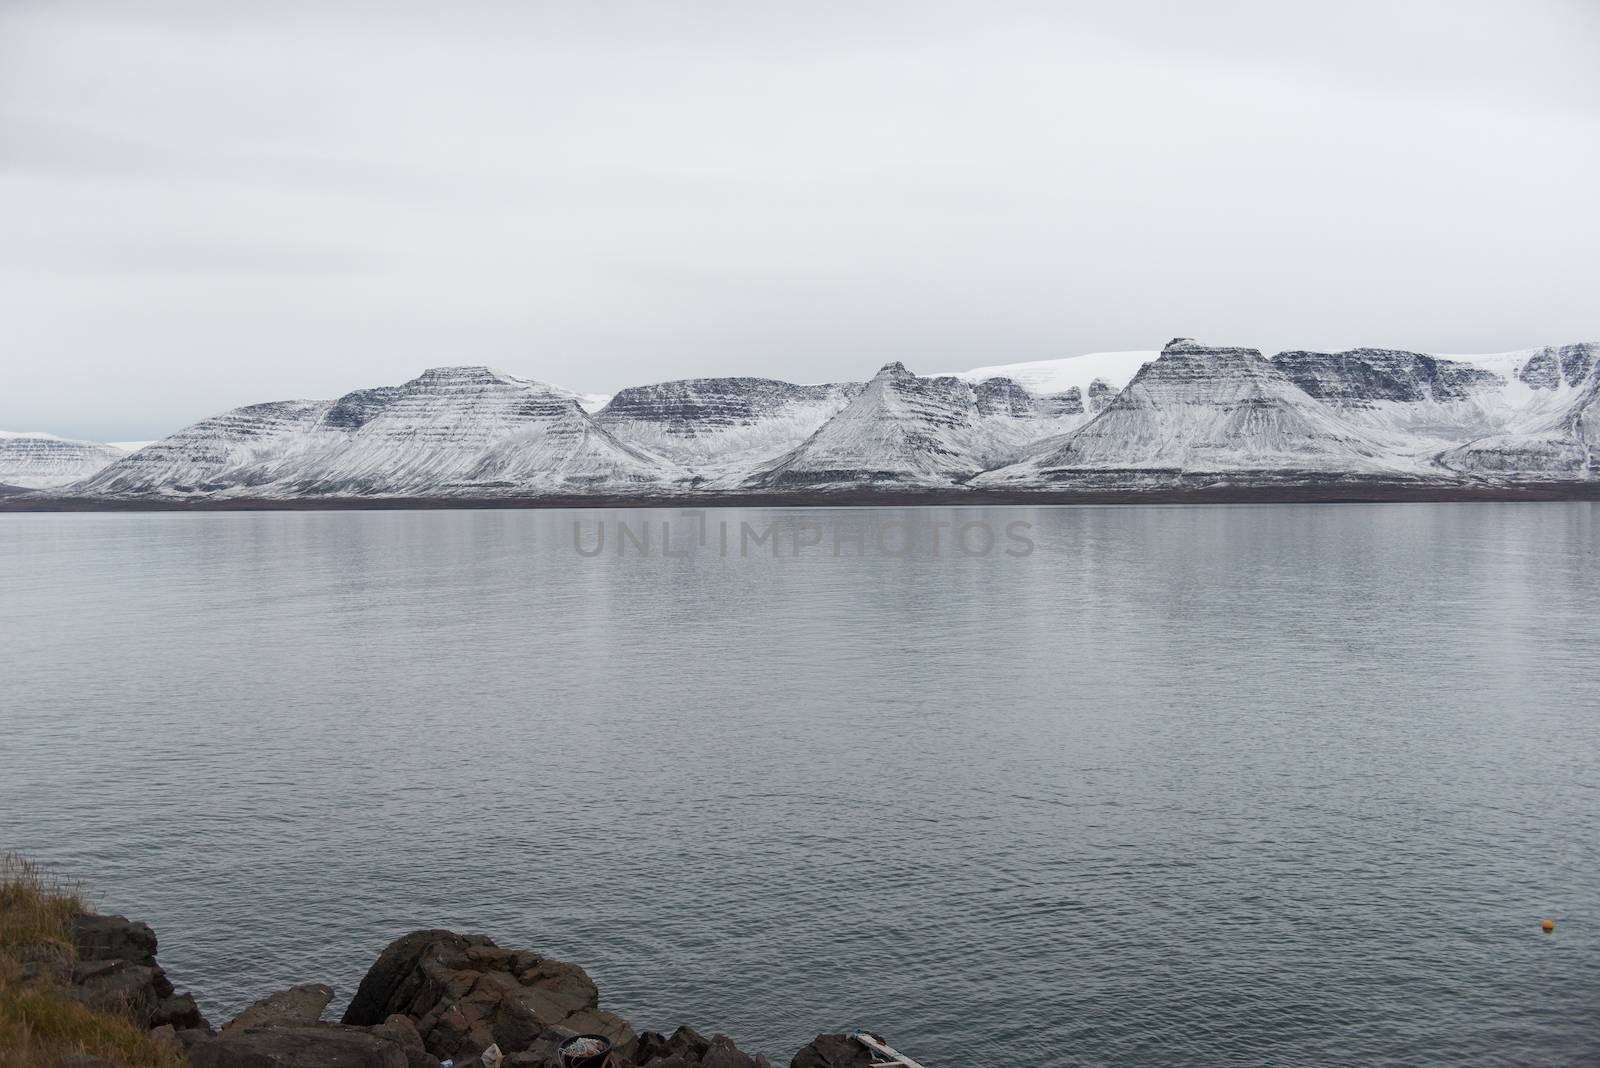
(40,1021)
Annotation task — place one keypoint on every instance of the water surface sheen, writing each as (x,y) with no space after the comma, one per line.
(1188,785)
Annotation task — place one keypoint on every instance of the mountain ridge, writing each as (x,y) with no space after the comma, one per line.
(1192,414)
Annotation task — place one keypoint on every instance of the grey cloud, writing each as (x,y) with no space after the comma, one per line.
(208,204)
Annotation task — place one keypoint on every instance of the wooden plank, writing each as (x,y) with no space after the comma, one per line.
(884,1050)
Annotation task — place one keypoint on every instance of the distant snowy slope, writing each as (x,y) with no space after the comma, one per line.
(214,454)
(37,460)
(1072,372)
(450,431)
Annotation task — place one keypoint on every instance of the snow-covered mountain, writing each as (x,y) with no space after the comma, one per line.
(912,431)
(449,432)
(1554,430)
(1191,415)
(1203,410)
(36,460)
(717,425)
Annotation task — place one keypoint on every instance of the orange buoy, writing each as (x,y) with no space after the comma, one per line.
(1548,925)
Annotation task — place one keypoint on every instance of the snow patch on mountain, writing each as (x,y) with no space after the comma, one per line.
(1114,369)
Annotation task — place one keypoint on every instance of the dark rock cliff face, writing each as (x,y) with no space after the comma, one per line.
(693,407)
(1101,394)
(1361,376)
(1068,402)
(116,970)
(353,410)
(1554,365)
(714,423)
(1004,396)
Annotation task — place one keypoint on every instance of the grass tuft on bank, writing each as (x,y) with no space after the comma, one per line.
(41,1022)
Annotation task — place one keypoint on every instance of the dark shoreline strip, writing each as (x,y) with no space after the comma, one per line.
(1307,493)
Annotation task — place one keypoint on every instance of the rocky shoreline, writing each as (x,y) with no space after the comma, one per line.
(433,998)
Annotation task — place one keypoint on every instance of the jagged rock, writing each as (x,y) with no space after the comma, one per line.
(97,938)
(166,1037)
(832,1051)
(178,1011)
(724,1054)
(1102,393)
(190,1037)
(687,1048)
(393,981)
(301,1004)
(308,1046)
(1361,377)
(685,1043)
(1554,365)
(117,971)
(465,993)
(400,1029)
(117,986)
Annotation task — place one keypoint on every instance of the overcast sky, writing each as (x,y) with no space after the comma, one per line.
(215,204)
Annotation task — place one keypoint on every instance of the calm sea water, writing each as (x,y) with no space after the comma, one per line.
(1204,785)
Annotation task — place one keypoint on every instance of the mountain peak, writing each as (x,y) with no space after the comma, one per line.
(463,373)
(893,369)
(1188,346)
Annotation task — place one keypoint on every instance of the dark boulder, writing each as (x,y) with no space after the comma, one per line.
(724,1054)
(465,994)
(685,1043)
(116,971)
(178,1012)
(97,937)
(306,1046)
(832,1051)
(298,1005)
(687,1048)
(392,983)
